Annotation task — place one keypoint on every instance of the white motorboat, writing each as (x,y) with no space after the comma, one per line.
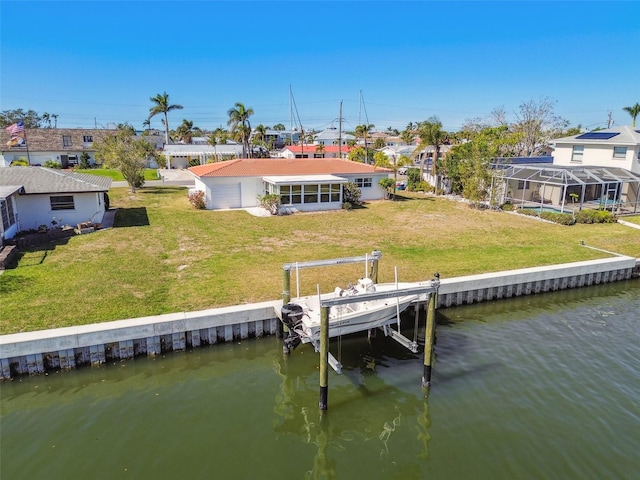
(302,315)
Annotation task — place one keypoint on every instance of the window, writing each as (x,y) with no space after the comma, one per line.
(87,138)
(318,155)
(72,159)
(363,182)
(62,202)
(523,185)
(285,194)
(66,140)
(577,153)
(296,193)
(311,194)
(8,217)
(619,152)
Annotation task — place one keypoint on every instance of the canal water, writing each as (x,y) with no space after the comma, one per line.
(545,386)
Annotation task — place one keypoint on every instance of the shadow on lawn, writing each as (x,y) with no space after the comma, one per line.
(159,190)
(131,217)
(403,198)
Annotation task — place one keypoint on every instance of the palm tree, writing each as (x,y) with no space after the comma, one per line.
(217,137)
(55,120)
(361,131)
(147,124)
(239,123)
(320,149)
(431,134)
(634,111)
(46,119)
(161,105)
(185,131)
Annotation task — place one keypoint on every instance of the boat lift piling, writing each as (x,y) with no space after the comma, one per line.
(326,359)
(430,334)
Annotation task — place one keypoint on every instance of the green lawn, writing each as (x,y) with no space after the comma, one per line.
(116,176)
(634,219)
(164,256)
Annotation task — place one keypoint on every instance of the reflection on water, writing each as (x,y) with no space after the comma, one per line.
(536,387)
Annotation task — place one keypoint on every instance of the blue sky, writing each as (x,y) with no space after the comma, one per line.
(96,63)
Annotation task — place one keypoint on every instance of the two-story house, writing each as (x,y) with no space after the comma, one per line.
(599,169)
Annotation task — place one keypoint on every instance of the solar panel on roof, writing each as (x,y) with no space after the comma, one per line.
(597,135)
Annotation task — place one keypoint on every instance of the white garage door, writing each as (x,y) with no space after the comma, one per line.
(226,196)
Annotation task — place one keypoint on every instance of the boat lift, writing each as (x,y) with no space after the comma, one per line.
(423,289)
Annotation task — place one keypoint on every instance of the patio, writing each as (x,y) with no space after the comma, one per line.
(567,189)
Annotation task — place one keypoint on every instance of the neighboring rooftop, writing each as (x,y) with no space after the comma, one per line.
(47,180)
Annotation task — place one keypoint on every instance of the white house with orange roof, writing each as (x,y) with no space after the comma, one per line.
(302,184)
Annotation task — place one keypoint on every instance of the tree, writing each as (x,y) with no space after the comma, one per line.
(161,105)
(431,134)
(362,131)
(379,143)
(84,161)
(320,149)
(634,111)
(357,155)
(383,161)
(146,124)
(468,165)
(46,120)
(217,137)
(239,123)
(30,118)
(279,127)
(537,124)
(259,135)
(185,131)
(127,153)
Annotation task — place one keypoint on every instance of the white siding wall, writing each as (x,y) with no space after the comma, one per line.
(35,210)
(598,155)
(375,192)
(251,187)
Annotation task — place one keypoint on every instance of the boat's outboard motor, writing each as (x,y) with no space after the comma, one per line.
(291,317)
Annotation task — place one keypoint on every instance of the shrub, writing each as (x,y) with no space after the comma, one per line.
(507,207)
(421,186)
(271,202)
(531,213)
(351,193)
(52,164)
(595,216)
(196,198)
(347,206)
(561,218)
(84,161)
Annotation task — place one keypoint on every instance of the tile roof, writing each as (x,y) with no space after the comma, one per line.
(46,180)
(258,167)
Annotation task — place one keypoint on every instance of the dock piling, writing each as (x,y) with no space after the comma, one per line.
(324,357)
(429,335)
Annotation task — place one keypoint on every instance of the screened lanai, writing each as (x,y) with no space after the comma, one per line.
(566,189)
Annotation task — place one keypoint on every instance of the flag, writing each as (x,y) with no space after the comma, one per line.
(15,129)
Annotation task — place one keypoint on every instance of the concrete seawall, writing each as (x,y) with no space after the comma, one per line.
(71,347)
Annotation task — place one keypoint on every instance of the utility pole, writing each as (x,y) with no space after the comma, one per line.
(610,120)
(340,132)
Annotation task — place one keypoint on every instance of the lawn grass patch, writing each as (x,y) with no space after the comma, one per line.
(165,256)
(115,175)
